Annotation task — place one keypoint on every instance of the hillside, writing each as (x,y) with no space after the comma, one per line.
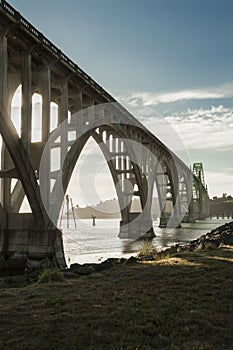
(109,209)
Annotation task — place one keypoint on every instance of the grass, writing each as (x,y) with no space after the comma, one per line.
(183,302)
(147,249)
(50,275)
(6,294)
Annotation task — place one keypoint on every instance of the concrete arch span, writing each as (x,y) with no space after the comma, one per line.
(120,151)
(130,162)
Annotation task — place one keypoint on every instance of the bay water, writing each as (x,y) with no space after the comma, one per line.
(87,243)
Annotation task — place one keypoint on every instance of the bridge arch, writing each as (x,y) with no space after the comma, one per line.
(166,181)
(138,175)
(200,200)
(121,159)
(185,195)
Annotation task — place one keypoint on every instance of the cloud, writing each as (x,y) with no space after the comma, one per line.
(198,128)
(218,183)
(203,132)
(210,128)
(204,128)
(154,98)
(228,169)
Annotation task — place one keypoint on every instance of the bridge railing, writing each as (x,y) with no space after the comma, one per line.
(51,47)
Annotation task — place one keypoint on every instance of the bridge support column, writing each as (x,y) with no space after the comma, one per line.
(27,102)
(46,95)
(190,215)
(63,115)
(136,228)
(46,121)
(91,111)
(78,106)
(170,221)
(3,70)
(5,183)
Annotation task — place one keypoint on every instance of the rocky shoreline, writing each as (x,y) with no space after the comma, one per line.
(222,235)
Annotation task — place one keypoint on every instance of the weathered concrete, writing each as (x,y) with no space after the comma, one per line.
(137,228)
(20,247)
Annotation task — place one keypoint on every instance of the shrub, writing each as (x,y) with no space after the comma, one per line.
(147,248)
(6,294)
(50,275)
(210,246)
(55,301)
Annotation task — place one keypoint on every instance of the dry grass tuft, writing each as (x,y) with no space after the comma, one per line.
(50,275)
(147,249)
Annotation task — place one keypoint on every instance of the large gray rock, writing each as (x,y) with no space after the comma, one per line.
(74,266)
(220,235)
(83,270)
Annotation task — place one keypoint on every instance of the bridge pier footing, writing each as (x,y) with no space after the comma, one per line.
(188,219)
(26,249)
(169,221)
(136,229)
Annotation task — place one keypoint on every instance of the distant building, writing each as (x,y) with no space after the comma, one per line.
(221,206)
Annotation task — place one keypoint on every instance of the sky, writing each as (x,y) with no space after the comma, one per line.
(172,58)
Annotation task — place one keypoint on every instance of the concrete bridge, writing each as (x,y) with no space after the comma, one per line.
(137,159)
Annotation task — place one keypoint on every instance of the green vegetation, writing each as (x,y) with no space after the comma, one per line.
(209,246)
(55,301)
(50,275)
(6,294)
(183,302)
